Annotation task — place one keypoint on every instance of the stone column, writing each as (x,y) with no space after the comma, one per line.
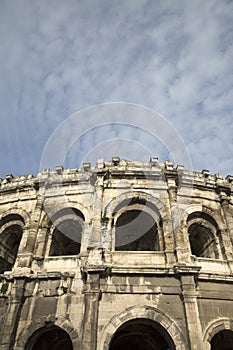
(16,300)
(189,295)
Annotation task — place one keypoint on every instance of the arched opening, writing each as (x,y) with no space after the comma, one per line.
(141,334)
(11,230)
(136,230)
(67,234)
(49,338)
(202,236)
(223,340)
(202,241)
(66,238)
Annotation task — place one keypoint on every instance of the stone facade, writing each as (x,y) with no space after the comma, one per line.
(124,255)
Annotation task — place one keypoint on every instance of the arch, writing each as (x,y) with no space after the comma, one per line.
(9,218)
(11,231)
(51,211)
(67,212)
(127,197)
(149,315)
(17,211)
(66,227)
(214,328)
(213,214)
(49,338)
(135,222)
(141,334)
(36,327)
(203,235)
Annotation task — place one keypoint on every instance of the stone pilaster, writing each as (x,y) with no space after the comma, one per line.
(91,300)
(97,213)
(227,236)
(189,296)
(225,203)
(183,252)
(41,242)
(16,300)
(27,245)
(169,239)
(92,268)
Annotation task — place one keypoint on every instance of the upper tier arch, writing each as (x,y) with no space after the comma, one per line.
(123,199)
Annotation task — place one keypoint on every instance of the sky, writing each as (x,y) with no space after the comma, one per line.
(108,67)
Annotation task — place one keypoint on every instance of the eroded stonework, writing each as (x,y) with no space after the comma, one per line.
(123,255)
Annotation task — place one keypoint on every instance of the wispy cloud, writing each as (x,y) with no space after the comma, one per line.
(58,57)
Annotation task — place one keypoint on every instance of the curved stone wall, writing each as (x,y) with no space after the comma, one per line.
(116,251)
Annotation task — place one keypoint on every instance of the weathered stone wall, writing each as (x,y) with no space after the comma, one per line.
(174,282)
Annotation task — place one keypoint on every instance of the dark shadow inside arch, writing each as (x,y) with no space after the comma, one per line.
(201,235)
(202,241)
(49,338)
(223,340)
(66,239)
(68,232)
(141,334)
(136,231)
(10,238)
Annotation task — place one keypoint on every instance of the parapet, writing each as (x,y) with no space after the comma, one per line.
(119,168)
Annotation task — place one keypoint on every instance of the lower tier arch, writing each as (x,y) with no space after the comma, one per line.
(136,321)
(49,338)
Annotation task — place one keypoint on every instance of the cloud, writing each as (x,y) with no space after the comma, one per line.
(58,57)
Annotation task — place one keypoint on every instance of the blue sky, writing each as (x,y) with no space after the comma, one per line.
(59,57)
